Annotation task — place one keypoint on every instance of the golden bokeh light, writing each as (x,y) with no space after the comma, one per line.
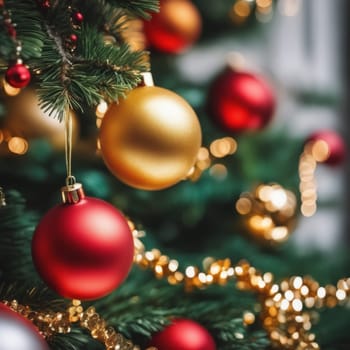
(240,11)
(314,153)
(320,150)
(264,3)
(18,145)
(219,171)
(248,318)
(244,205)
(223,147)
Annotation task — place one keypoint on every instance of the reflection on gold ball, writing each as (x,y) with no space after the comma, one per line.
(150,139)
(268,213)
(25,118)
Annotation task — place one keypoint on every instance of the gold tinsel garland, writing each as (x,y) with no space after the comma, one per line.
(285,307)
(50,323)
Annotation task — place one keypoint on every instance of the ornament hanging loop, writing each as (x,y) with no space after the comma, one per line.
(68,132)
(147,79)
(70,181)
(73,192)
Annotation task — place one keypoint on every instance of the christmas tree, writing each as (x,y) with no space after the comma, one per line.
(186,194)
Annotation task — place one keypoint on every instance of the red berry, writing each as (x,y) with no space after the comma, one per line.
(18,75)
(73,38)
(78,17)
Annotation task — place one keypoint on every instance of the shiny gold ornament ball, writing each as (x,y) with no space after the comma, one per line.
(25,118)
(150,139)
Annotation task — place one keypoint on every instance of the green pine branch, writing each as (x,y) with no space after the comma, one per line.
(139,8)
(16,227)
(79,78)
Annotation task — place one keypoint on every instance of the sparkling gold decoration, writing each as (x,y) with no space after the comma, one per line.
(285,306)
(50,323)
(268,213)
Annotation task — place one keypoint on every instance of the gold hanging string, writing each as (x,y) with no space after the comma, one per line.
(68,137)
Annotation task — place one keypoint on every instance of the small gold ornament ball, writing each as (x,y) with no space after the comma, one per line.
(150,139)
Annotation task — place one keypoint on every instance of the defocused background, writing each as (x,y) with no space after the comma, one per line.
(300,46)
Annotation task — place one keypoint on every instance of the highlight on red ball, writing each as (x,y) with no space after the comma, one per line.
(175,28)
(240,101)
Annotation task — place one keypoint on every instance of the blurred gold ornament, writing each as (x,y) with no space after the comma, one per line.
(132,33)
(25,119)
(150,139)
(268,213)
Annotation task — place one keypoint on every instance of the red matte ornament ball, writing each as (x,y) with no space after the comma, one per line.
(18,75)
(83,250)
(174,28)
(183,334)
(241,102)
(16,332)
(336,146)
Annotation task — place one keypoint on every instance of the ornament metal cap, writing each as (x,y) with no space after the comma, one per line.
(147,79)
(73,193)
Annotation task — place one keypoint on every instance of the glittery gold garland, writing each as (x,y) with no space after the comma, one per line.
(50,323)
(285,307)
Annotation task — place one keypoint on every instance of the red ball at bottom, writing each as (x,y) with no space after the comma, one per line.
(183,334)
(83,250)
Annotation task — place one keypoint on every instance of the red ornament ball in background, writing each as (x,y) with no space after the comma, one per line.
(175,27)
(241,101)
(335,146)
(18,75)
(83,250)
(16,332)
(183,334)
